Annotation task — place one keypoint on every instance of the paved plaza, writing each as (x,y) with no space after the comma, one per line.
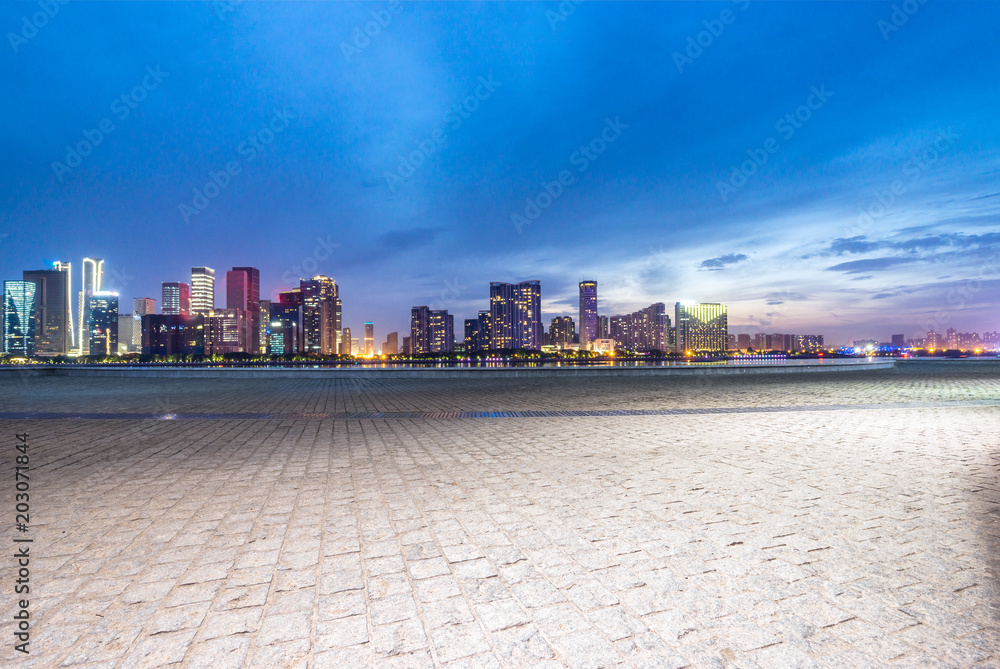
(821,520)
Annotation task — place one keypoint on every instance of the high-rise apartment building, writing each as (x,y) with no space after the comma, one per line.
(202,290)
(346,347)
(420,330)
(588,312)
(471,339)
(93,279)
(643,330)
(103,323)
(431,331)
(243,293)
(369,338)
(603,327)
(485,331)
(515,315)
(701,327)
(53,310)
(175,299)
(562,331)
(391,345)
(19,317)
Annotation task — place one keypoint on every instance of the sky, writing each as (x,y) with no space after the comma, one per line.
(819,167)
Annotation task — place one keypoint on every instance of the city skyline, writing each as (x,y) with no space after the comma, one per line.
(850,192)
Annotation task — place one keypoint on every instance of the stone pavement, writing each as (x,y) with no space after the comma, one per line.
(848,538)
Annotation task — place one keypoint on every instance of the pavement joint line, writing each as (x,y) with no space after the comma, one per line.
(465,415)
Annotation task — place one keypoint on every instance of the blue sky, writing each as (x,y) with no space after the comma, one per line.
(890,118)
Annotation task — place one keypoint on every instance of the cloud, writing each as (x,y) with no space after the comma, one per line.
(715,264)
(870,265)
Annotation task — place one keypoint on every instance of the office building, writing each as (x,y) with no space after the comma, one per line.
(369,338)
(562,331)
(588,313)
(175,299)
(202,290)
(93,279)
(515,315)
(53,310)
(700,327)
(646,330)
(391,345)
(224,331)
(173,335)
(322,331)
(19,318)
(285,332)
(103,323)
(243,293)
(346,347)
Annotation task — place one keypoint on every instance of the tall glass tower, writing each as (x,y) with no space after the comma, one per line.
(202,290)
(93,278)
(19,317)
(588,313)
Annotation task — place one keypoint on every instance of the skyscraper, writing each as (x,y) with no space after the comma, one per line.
(515,315)
(345,342)
(391,345)
(321,318)
(369,338)
(643,330)
(485,331)
(225,331)
(175,299)
(202,290)
(286,324)
(562,331)
(701,326)
(442,331)
(19,317)
(53,320)
(471,335)
(103,323)
(420,330)
(588,313)
(93,279)
(243,293)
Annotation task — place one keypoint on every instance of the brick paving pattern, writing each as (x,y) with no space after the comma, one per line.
(848,538)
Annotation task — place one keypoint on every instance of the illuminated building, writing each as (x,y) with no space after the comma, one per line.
(175,299)
(345,342)
(243,293)
(202,290)
(125,339)
(515,315)
(391,345)
(369,338)
(485,329)
(103,323)
(701,326)
(471,339)
(93,278)
(19,317)
(442,332)
(420,330)
(644,330)
(173,335)
(286,325)
(321,316)
(808,343)
(53,310)
(588,313)
(562,331)
(224,331)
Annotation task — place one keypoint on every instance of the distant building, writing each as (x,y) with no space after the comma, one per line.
(225,332)
(369,338)
(407,348)
(391,345)
(346,343)
(471,339)
(53,310)
(731,342)
(485,330)
(103,323)
(93,278)
(645,330)
(175,299)
(515,315)
(243,293)
(899,340)
(603,327)
(321,316)
(125,327)
(19,317)
(808,343)
(562,331)
(285,330)
(202,290)
(700,327)
(743,341)
(173,335)
(442,334)
(588,312)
